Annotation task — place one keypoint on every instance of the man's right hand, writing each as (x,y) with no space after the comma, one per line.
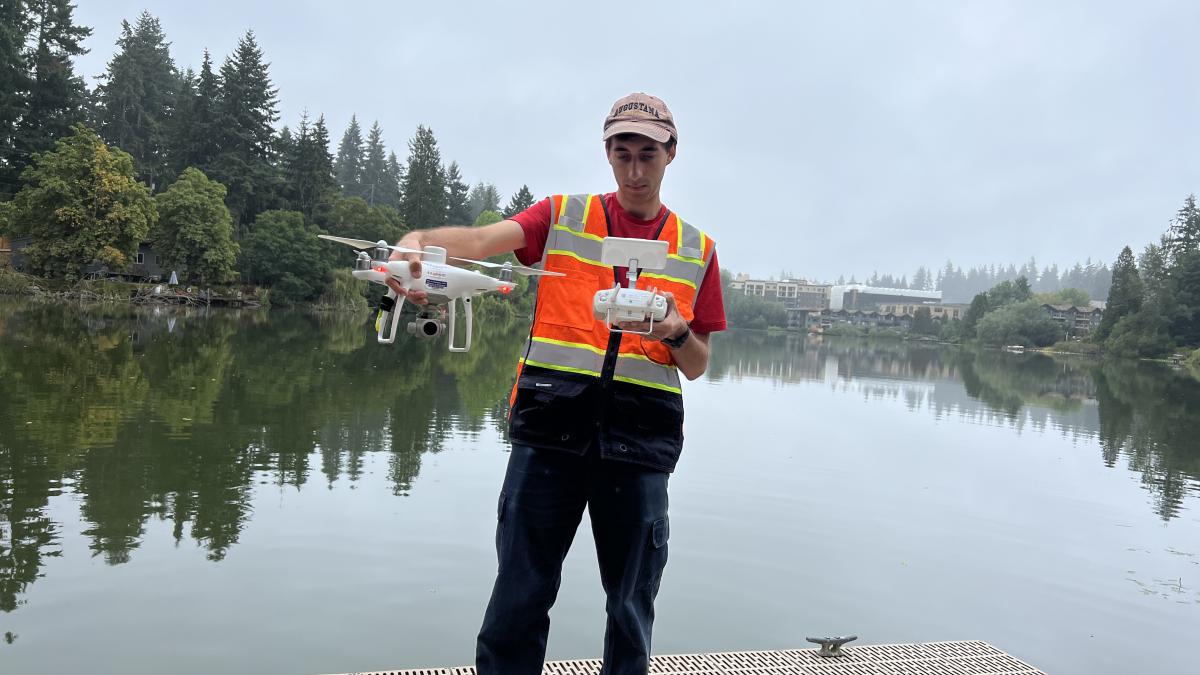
(411,240)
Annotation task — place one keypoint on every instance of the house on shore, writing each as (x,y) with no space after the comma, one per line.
(147,264)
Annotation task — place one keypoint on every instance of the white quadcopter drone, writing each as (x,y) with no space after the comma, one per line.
(443,283)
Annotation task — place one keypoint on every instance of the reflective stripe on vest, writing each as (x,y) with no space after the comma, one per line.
(577,232)
(560,355)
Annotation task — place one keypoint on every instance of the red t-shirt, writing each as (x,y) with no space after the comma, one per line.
(709,308)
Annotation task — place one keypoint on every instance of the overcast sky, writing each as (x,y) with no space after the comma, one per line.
(816,138)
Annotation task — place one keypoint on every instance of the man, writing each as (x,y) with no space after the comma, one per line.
(597,415)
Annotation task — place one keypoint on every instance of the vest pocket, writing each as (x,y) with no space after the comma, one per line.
(553,410)
(567,301)
(646,426)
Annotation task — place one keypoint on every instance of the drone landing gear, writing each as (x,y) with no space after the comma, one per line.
(389,317)
(454,320)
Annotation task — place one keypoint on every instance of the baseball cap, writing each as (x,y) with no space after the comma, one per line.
(642,114)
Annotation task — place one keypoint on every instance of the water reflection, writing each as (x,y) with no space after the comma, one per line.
(177,415)
(1144,415)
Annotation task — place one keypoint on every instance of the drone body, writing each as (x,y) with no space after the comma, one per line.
(441,282)
(444,285)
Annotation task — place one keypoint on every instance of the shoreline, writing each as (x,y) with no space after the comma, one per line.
(1189,363)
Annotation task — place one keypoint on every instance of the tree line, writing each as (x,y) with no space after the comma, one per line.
(958,285)
(192,163)
(1154,303)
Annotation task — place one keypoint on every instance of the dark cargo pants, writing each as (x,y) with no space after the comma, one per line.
(541,504)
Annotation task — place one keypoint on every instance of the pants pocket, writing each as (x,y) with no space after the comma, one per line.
(660,532)
(656,555)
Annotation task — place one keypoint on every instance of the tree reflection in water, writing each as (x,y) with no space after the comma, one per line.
(177,415)
(1144,414)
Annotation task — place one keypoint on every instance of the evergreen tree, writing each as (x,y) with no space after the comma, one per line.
(1099,282)
(1049,282)
(309,184)
(57,95)
(81,202)
(1125,296)
(1153,271)
(179,129)
(1030,270)
(923,322)
(1074,278)
(348,165)
(1009,292)
(458,211)
(325,187)
(1185,273)
(424,197)
(245,115)
(193,139)
(14,91)
(979,307)
(194,229)
(137,97)
(483,197)
(519,202)
(374,170)
(1185,230)
(284,148)
(395,179)
(204,140)
(921,280)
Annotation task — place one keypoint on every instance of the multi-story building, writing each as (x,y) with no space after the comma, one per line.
(796,294)
(939,311)
(1075,319)
(820,320)
(862,297)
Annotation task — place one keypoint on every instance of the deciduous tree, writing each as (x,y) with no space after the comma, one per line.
(81,202)
(195,230)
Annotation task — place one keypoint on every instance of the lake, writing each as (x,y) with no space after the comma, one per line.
(200,492)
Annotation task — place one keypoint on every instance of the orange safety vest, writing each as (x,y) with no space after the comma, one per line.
(625,386)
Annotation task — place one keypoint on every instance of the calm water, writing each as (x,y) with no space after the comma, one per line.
(196,493)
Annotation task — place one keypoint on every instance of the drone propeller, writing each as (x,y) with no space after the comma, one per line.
(364,244)
(519,269)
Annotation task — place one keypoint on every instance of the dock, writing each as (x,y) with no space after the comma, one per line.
(932,658)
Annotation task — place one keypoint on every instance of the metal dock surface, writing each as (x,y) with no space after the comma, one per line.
(932,658)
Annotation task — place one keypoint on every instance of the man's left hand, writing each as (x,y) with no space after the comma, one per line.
(672,324)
